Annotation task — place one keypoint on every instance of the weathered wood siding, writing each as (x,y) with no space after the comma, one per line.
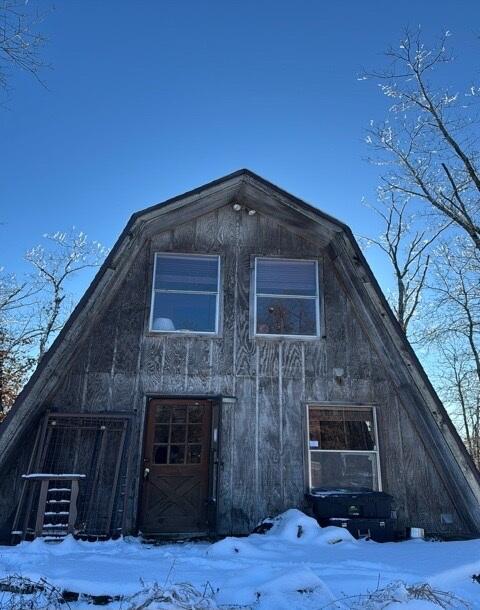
(263,432)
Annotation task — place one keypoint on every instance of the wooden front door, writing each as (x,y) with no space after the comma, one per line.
(176,467)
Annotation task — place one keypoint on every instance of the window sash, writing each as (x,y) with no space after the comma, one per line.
(342,429)
(375,451)
(155,291)
(170,275)
(345,468)
(279,296)
(286,276)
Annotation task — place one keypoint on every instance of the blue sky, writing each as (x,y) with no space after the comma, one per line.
(147,99)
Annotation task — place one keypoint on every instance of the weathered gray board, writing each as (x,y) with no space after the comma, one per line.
(118,363)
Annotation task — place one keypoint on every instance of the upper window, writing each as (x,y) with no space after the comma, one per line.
(286,297)
(185,293)
(343,447)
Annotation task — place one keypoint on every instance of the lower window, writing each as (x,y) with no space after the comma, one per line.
(343,448)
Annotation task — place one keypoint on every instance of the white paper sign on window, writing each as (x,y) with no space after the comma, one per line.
(313,444)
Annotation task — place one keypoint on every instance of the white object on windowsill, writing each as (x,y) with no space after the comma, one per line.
(163,324)
(417,532)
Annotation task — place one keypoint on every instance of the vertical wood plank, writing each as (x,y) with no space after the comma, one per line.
(184,237)
(268,236)
(268,358)
(226,467)
(336,335)
(162,242)
(292,361)
(72,516)
(223,349)
(358,347)
(199,367)
(244,496)
(245,347)
(427,498)
(206,232)
(41,507)
(269,451)
(294,442)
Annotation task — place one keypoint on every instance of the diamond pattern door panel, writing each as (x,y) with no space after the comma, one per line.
(175,485)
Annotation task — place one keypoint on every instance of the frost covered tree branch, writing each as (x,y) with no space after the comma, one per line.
(407,247)
(33,310)
(453,330)
(67,254)
(428,142)
(427,150)
(21,44)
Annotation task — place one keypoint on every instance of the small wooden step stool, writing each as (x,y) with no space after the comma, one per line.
(57,505)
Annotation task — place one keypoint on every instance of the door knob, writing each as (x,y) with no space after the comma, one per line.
(146,473)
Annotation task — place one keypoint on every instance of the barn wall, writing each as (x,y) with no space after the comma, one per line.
(263,431)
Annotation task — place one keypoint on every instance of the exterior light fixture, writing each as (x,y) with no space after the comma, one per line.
(237,207)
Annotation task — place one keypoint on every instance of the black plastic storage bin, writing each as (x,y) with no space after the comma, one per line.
(380,530)
(351,503)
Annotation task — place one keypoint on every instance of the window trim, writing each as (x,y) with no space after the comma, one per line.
(339,406)
(316,298)
(184,333)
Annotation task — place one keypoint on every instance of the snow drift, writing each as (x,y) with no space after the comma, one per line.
(295,565)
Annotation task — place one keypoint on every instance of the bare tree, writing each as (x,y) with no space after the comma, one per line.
(407,246)
(33,310)
(427,149)
(458,383)
(453,329)
(429,142)
(16,335)
(13,362)
(70,254)
(21,44)
(15,365)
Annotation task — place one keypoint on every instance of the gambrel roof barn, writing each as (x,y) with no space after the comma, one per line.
(233,352)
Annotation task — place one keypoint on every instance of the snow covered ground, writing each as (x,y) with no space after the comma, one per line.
(295,565)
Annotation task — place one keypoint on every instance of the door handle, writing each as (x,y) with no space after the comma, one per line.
(146,473)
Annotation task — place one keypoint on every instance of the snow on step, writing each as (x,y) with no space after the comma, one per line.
(52,476)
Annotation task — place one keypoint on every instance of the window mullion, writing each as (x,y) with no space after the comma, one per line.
(171,291)
(286,296)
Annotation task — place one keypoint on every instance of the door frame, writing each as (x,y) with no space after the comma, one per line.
(213,456)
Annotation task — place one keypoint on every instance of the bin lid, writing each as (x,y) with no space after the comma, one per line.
(346,491)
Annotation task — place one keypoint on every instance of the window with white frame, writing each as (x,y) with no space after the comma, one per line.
(185,293)
(286,297)
(343,448)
